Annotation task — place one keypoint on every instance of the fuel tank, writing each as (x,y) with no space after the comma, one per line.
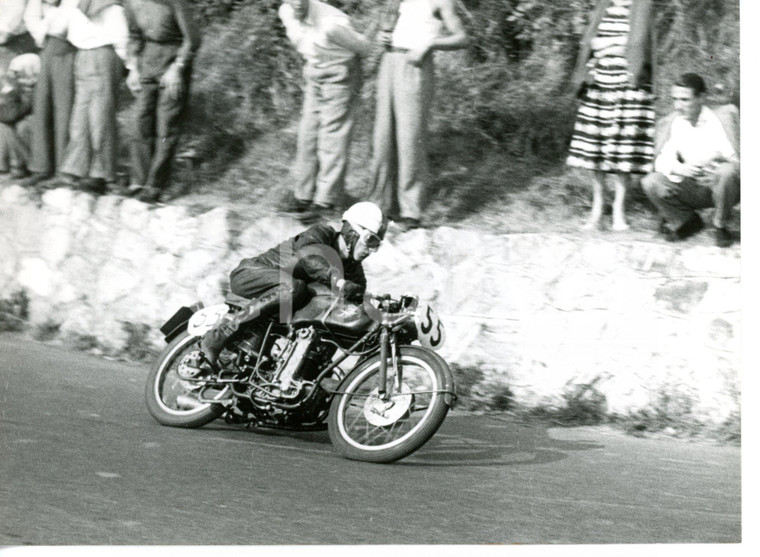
(345,318)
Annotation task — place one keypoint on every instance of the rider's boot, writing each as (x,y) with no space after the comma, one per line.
(213,341)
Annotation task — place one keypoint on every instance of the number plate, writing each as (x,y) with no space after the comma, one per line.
(430,331)
(204,320)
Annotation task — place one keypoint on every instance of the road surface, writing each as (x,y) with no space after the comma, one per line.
(82,462)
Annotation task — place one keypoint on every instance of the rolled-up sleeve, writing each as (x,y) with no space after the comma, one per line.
(340,32)
(34,21)
(11,18)
(293,28)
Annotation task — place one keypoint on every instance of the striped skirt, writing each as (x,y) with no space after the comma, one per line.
(614,128)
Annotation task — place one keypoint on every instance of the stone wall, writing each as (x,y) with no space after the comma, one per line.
(643,322)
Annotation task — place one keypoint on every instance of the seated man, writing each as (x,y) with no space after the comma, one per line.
(277,279)
(696,165)
(16,91)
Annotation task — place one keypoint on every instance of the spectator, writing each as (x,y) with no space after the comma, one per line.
(16,93)
(14,38)
(324,37)
(47,21)
(98,28)
(697,164)
(614,128)
(163,40)
(413,30)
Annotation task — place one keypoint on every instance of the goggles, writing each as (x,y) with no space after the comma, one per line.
(370,239)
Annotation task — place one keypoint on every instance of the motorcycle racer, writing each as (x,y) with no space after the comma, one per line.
(277,279)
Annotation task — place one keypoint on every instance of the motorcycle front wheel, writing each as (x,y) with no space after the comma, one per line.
(173,400)
(364,426)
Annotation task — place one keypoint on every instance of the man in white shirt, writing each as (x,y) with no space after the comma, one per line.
(98,28)
(331,48)
(697,166)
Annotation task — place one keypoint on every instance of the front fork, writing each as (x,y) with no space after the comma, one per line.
(388,344)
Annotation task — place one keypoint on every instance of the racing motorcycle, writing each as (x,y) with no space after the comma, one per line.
(286,374)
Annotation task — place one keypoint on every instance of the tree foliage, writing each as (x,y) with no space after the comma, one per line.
(508,87)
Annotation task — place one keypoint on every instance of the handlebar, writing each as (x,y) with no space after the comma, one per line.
(391,305)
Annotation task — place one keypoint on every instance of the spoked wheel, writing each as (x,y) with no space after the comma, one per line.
(170,397)
(364,426)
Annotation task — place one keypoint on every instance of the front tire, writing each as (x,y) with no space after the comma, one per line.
(173,401)
(364,427)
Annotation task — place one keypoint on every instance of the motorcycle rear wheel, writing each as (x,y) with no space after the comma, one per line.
(364,427)
(172,401)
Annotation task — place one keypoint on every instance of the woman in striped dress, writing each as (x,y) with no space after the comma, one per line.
(614,129)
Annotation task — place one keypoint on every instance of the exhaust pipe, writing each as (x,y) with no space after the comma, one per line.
(186,402)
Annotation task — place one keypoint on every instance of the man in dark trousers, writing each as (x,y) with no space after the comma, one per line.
(163,40)
(47,21)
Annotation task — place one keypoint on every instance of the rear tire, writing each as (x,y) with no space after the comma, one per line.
(363,427)
(172,401)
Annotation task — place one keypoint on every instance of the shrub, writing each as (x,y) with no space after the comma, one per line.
(83,342)
(138,347)
(14,312)
(670,410)
(47,331)
(582,404)
(508,87)
(465,377)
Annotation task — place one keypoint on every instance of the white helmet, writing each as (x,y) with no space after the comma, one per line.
(366,214)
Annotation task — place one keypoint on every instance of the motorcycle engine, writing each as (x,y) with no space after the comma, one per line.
(291,361)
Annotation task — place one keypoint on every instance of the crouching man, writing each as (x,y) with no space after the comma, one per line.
(696,164)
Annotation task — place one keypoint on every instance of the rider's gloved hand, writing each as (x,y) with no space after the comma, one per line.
(350,291)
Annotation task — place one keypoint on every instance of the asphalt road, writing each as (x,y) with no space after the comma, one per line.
(82,462)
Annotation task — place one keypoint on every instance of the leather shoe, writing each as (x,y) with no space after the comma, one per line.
(94,185)
(19,173)
(687,229)
(294,205)
(317,213)
(407,223)
(723,237)
(149,195)
(34,179)
(663,228)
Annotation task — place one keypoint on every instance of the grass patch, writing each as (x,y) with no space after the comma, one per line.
(671,411)
(465,377)
(47,331)
(581,404)
(138,347)
(475,395)
(83,342)
(14,312)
